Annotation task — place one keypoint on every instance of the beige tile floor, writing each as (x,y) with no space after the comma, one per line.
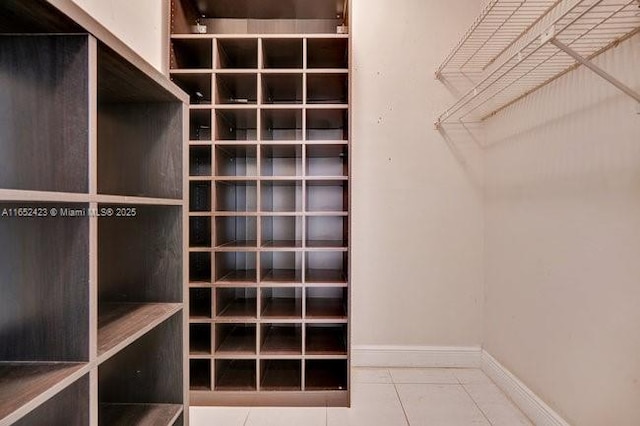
(390,397)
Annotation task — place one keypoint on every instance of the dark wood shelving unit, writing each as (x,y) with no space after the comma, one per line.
(269,236)
(92,243)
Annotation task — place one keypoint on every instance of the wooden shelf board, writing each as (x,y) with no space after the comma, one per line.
(325,275)
(264,36)
(139,414)
(239,309)
(282,244)
(239,244)
(239,277)
(119,324)
(281,341)
(326,341)
(240,341)
(25,385)
(335,398)
(282,275)
(334,244)
(238,376)
(286,308)
(325,308)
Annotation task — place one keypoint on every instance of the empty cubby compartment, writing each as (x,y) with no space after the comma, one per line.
(326,339)
(236,89)
(237,53)
(327,196)
(327,231)
(237,302)
(236,196)
(281,266)
(281,231)
(197,86)
(200,303)
(281,196)
(284,88)
(281,302)
(199,231)
(235,375)
(326,374)
(281,124)
(327,160)
(328,124)
(200,339)
(200,196)
(236,231)
(200,374)
(326,266)
(200,161)
(236,124)
(232,338)
(200,124)
(280,374)
(281,160)
(236,160)
(281,339)
(331,88)
(328,53)
(326,302)
(282,53)
(235,266)
(200,267)
(191,54)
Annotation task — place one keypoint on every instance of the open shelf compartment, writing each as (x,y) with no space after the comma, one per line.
(200,125)
(236,160)
(281,302)
(237,53)
(281,339)
(236,124)
(326,266)
(326,302)
(327,232)
(281,196)
(200,267)
(282,88)
(330,88)
(200,161)
(326,374)
(327,124)
(235,339)
(282,53)
(236,231)
(200,303)
(281,125)
(281,231)
(281,375)
(239,302)
(236,267)
(236,196)
(330,53)
(326,339)
(200,231)
(281,267)
(236,89)
(200,338)
(328,160)
(281,160)
(191,54)
(200,196)
(235,375)
(197,86)
(200,374)
(327,195)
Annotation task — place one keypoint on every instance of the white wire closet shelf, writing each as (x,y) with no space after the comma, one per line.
(516,47)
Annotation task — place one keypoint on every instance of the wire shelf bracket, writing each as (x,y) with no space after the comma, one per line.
(564,35)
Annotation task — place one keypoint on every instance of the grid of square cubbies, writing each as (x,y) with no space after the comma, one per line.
(269,219)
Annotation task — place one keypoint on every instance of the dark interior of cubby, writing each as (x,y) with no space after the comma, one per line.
(191,54)
(46,271)
(326,302)
(200,339)
(236,231)
(200,196)
(236,196)
(281,339)
(132,376)
(200,125)
(281,266)
(237,53)
(200,231)
(200,374)
(236,160)
(137,125)
(197,86)
(147,251)
(281,231)
(327,231)
(235,375)
(282,88)
(236,124)
(282,53)
(327,160)
(200,303)
(200,267)
(236,267)
(281,375)
(281,124)
(326,374)
(69,407)
(327,196)
(328,53)
(326,339)
(281,160)
(238,302)
(200,160)
(327,124)
(331,88)
(326,266)
(236,89)
(44,81)
(281,302)
(236,338)
(281,196)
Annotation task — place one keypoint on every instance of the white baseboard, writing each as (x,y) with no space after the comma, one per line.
(530,404)
(416,356)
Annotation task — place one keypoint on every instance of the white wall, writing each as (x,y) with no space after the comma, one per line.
(563,243)
(139,23)
(417,211)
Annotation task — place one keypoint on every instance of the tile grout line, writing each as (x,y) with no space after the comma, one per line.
(246,419)
(475,403)
(406,417)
